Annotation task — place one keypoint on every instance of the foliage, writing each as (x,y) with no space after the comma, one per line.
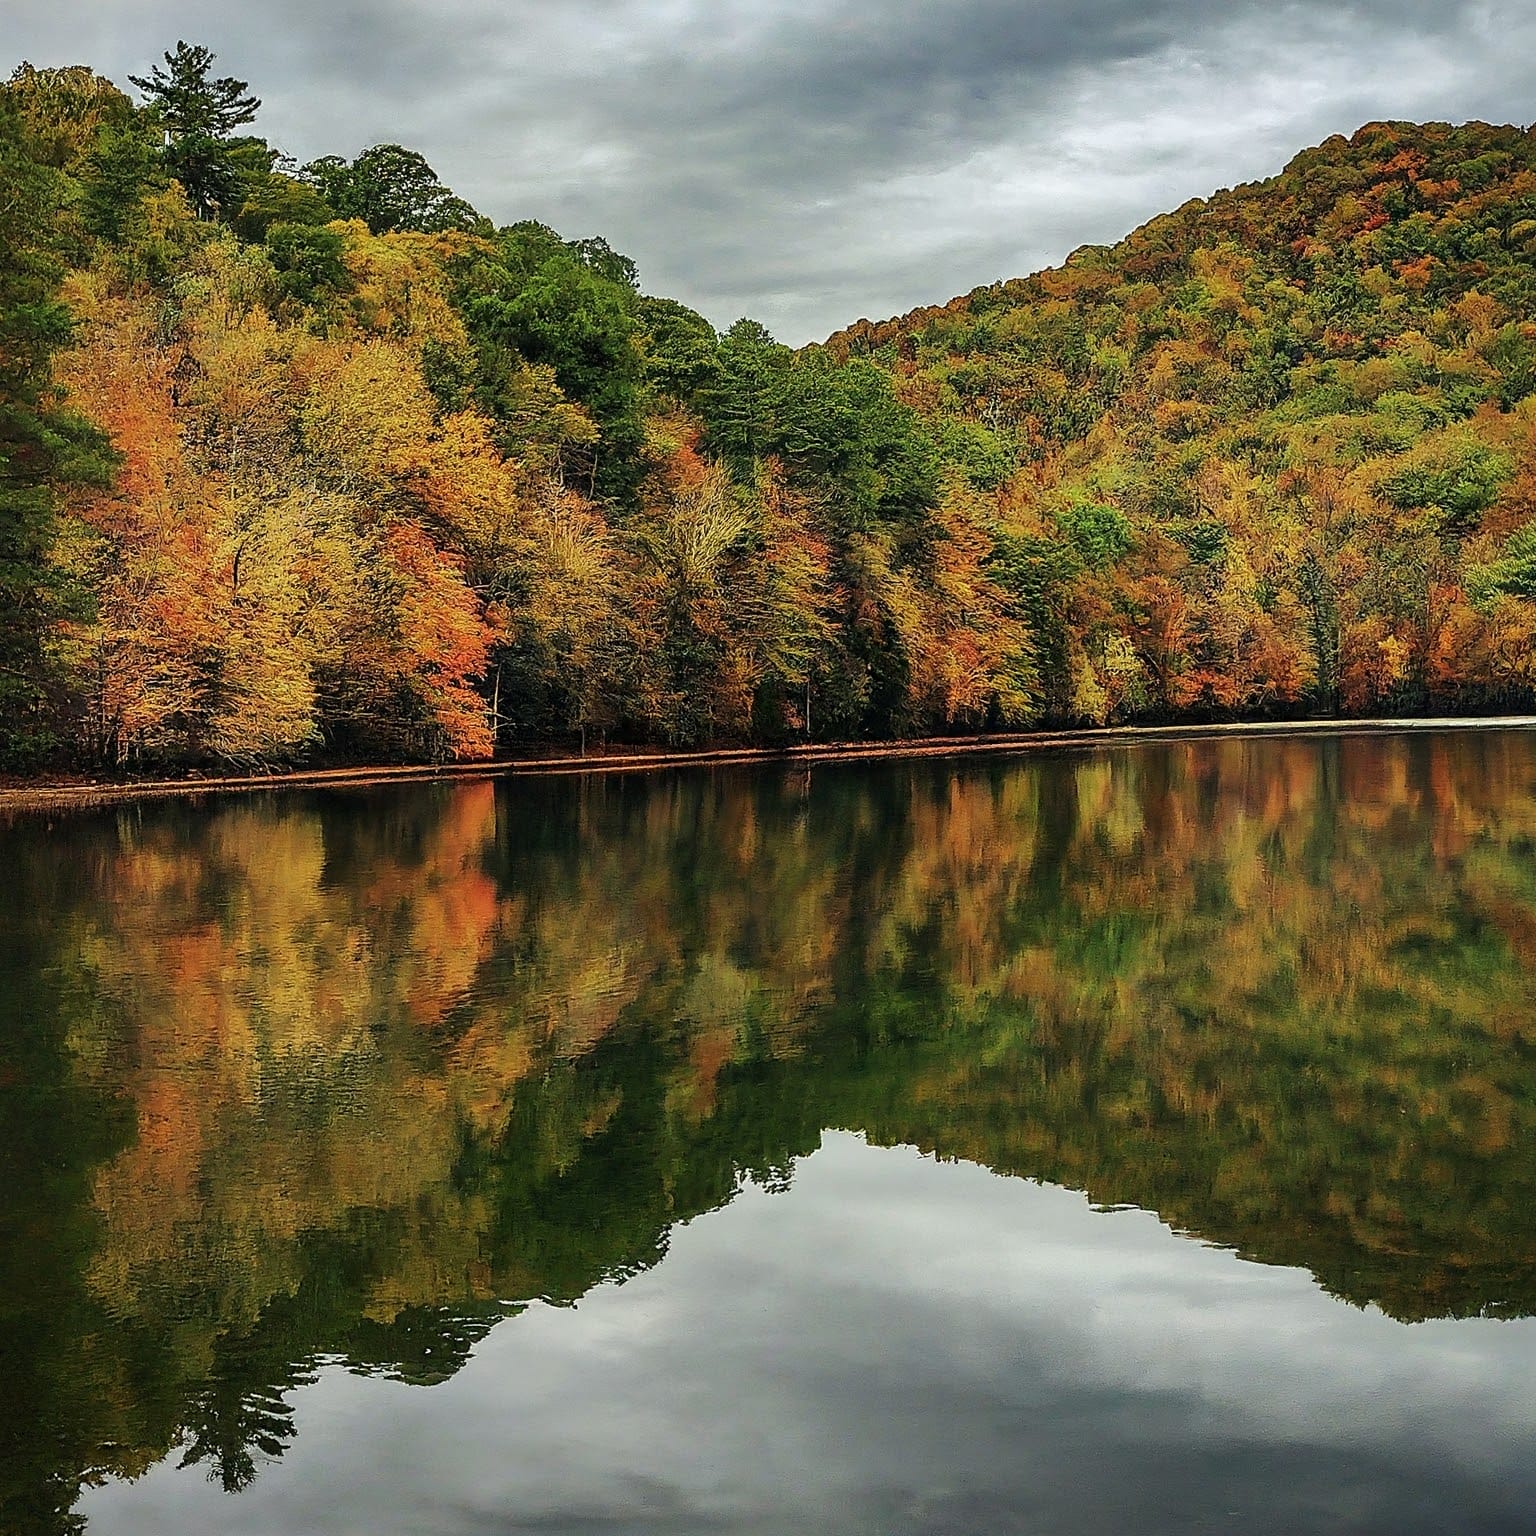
(42,446)
(398,483)
(1264,451)
(390,187)
(199,116)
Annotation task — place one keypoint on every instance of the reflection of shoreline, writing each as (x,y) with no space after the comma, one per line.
(1038,1317)
(64,796)
(380,1059)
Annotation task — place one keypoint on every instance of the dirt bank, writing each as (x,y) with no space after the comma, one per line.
(57,795)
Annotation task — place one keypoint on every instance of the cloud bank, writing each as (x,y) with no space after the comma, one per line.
(811,161)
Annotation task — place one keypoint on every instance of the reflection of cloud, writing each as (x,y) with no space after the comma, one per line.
(902,1345)
(813,161)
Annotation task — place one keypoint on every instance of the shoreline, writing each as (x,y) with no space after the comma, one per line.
(46,796)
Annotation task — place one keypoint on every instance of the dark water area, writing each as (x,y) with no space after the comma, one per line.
(1133,1141)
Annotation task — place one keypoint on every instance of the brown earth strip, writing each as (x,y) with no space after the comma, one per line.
(17,798)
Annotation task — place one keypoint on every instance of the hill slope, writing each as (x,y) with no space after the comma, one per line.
(1272,449)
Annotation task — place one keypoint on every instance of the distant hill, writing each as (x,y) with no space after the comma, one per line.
(1274,447)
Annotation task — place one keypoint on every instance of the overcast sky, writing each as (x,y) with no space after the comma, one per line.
(809,162)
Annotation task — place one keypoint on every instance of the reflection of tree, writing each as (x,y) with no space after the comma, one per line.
(398,1060)
(240,1411)
(421,1345)
(62,1394)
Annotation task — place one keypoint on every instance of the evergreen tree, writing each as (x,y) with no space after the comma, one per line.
(200,116)
(38,443)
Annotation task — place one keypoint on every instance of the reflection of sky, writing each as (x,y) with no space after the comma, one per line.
(898,1345)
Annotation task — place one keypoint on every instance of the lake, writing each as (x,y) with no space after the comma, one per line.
(1133,1140)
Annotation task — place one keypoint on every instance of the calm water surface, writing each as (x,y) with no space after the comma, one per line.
(1139,1141)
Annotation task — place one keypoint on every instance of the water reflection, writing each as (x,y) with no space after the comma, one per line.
(305,1080)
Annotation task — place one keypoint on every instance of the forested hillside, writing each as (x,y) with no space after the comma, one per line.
(317,461)
(1273,451)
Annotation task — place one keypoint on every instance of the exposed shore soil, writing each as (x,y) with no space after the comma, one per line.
(47,795)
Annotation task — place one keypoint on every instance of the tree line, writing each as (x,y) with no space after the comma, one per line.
(317,461)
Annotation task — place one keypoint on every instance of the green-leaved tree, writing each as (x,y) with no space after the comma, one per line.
(40,444)
(200,116)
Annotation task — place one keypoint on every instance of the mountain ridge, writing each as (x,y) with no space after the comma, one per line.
(1090,250)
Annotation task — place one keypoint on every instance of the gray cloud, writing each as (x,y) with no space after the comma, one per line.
(810,161)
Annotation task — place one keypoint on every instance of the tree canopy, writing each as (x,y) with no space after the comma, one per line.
(390,188)
(394,481)
(199,115)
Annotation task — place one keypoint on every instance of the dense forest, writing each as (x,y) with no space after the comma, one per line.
(317,461)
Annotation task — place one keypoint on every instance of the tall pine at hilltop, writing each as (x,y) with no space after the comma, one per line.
(396,482)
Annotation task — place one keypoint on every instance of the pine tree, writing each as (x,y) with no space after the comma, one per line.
(39,444)
(199,116)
